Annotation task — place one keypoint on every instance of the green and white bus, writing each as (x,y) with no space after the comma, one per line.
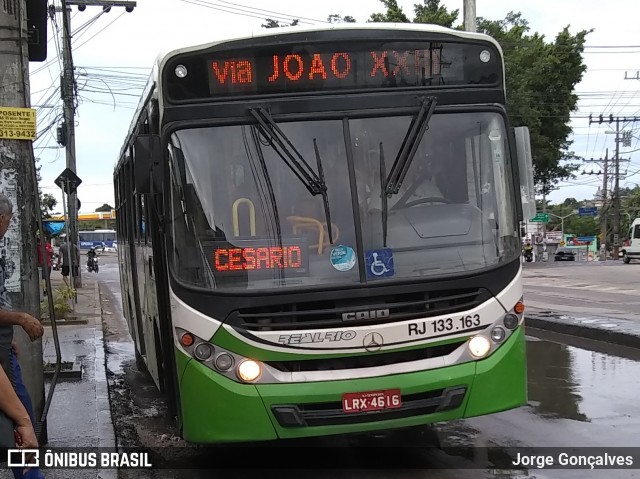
(320,232)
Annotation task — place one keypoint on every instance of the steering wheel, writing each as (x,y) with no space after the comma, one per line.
(431,199)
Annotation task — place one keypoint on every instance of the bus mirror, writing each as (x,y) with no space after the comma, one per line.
(146,163)
(525,166)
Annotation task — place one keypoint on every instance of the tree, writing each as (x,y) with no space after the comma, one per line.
(105,208)
(573,224)
(431,12)
(335,18)
(541,77)
(394,13)
(47,201)
(271,23)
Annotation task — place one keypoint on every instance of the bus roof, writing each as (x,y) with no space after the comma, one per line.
(283,31)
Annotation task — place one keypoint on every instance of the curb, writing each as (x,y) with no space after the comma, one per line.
(106,434)
(583,331)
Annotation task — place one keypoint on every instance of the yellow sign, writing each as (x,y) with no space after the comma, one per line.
(17,123)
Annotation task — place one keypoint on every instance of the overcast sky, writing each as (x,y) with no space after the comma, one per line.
(114,53)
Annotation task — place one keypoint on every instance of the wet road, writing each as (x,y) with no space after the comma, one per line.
(581,394)
(610,288)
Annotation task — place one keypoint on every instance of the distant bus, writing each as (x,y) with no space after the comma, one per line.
(97,238)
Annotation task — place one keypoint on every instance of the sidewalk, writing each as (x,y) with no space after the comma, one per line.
(623,332)
(80,412)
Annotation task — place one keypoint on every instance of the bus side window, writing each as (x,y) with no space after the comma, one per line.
(636,232)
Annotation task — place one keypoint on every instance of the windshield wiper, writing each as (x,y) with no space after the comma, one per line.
(383,178)
(314,183)
(325,196)
(391,185)
(409,146)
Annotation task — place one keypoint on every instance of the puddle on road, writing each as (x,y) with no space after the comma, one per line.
(580,384)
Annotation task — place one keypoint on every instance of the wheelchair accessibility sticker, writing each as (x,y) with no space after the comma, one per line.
(379,263)
(343,258)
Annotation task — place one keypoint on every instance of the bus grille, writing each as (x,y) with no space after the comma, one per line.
(367,360)
(331,414)
(329,313)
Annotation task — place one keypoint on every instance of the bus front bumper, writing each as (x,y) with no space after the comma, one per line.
(216,409)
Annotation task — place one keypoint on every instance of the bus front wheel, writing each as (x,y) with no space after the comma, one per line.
(140,363)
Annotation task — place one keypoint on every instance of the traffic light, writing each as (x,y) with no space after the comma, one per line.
(61,135)
(37,30)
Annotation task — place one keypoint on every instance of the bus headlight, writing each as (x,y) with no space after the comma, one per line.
(181,71)
(510,321)
(497,334)
(249,370)
(224,362)
(203,351)
(479,346)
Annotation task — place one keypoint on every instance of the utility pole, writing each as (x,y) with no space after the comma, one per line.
(616,198)
(17,182)
(68,92)
(469,15)
(616,179)
(604,207)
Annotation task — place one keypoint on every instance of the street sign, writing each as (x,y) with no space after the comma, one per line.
(588,211)
(554,237)
(540,218)
(68,181)
(17,123)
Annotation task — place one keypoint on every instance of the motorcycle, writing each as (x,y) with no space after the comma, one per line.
(92,262)
(528,256)
(55,262)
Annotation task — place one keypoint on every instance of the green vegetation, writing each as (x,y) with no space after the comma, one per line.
(61,302)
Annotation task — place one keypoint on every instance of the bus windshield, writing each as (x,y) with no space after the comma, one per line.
(242,218)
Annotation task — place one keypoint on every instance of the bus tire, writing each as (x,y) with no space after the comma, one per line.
(140,364)
(625,258)
(160,363)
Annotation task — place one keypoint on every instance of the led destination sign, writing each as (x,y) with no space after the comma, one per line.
(258,257)
(330,67)
(249,259)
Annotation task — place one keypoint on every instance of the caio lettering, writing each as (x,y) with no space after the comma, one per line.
(364,315)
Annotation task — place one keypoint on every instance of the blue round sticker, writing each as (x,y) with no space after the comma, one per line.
(343,258)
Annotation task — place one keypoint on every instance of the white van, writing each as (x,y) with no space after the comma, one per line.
(632,249)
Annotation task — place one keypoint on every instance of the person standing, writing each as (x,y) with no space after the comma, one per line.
(8,350)
(65,257)
(41,266)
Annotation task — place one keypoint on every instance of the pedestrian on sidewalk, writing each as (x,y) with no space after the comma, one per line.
(8,350)
(49,249)
(65,257)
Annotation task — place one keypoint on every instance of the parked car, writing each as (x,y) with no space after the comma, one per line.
(564,254)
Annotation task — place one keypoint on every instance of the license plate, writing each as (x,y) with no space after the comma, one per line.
(371,401)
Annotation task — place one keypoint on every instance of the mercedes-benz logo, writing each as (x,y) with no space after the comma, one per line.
(373,342)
